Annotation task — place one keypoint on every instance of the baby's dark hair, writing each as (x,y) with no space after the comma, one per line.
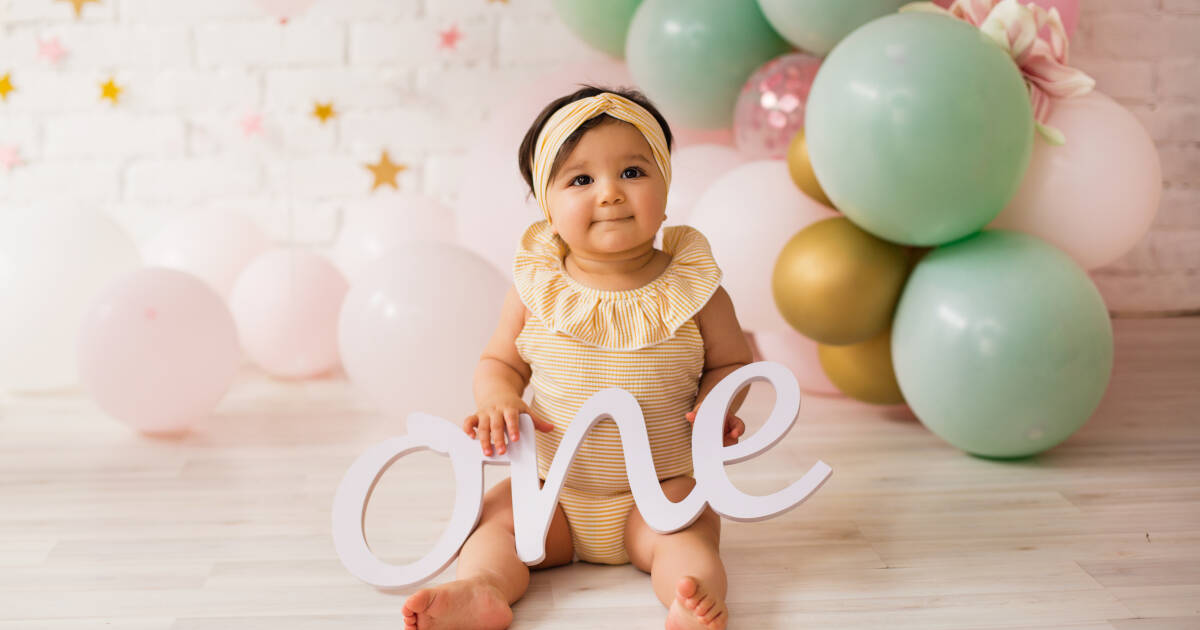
(525,153)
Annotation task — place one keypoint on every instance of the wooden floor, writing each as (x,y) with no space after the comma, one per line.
(229,527)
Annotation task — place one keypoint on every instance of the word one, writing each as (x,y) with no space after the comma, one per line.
(533,507)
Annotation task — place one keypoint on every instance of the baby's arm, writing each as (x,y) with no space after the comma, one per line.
(500,379)
(725,350)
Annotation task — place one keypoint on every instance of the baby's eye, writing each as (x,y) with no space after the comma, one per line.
(581,180)
(637,172)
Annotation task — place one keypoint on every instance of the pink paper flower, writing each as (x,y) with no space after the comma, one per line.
(1043,62)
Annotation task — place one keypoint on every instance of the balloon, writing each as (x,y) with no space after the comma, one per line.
(214,246)
(494,211)
(286,306)
(602,25)
(693,169)
(818,25)
(770,109)
(863,371)
(1002,344)
(692,58)
(919,128)
(799,354)
(801,170)
(1095,196)
(158,350)
(385,222)
(413,327)
(285,9)
(685,137)
(748,215)
(838,285)
(1067,9)
(53,262)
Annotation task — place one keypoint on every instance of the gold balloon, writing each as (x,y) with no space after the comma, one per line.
(863,371)
(838,285)
(802,171)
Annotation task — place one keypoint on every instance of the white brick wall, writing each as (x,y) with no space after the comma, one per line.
(1146,54)
(193,68)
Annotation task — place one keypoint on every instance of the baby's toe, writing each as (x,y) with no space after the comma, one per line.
(686,588)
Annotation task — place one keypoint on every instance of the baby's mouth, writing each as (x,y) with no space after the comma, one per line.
(614,220)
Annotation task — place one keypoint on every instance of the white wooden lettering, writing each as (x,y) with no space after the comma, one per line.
(533,507)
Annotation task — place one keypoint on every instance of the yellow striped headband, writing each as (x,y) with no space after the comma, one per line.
(569,117)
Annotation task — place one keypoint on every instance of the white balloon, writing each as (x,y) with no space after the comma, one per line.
(53,263)
(693,169)
(376,227)
(748,215)
(413,326)
(212,245)
(1096,196)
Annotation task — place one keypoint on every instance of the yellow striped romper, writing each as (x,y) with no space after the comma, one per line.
(578,340)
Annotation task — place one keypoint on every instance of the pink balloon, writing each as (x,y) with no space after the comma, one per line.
(770,108)
(286,306)
(376,227)
(413,327)
(694,169)
(748,214)
(799,354)
(212,245)
(158,350)
(1067,9)
(1096,196)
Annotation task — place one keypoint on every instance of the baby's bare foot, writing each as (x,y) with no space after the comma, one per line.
(467,604)
(695,608)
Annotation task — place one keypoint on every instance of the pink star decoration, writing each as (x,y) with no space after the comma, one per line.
(51,50)
(251,124)
(9,157)
(449,38)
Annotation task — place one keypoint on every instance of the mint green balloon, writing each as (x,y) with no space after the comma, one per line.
(919,128)
(817,25)
(692,57)
(602,25)
(1001,344)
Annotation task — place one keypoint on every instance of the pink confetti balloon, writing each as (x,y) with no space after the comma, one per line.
(286,306)
(158,350)
(770,109)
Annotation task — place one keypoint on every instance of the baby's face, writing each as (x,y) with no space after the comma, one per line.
(609,196)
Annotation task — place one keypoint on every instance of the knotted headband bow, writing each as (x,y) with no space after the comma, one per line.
(569,117)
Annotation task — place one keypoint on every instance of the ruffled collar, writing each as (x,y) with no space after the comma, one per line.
(618,320)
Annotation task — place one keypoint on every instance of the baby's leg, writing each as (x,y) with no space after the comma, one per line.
(490,576)
(685,567)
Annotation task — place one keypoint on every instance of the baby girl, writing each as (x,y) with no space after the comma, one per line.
(596,305)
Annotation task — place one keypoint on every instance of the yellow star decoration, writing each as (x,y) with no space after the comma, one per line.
(78,4)
(110,90)
(386,171)
(6,86)
(324,111)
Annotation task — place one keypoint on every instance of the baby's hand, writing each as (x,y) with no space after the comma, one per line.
(734,427)
(491,421)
